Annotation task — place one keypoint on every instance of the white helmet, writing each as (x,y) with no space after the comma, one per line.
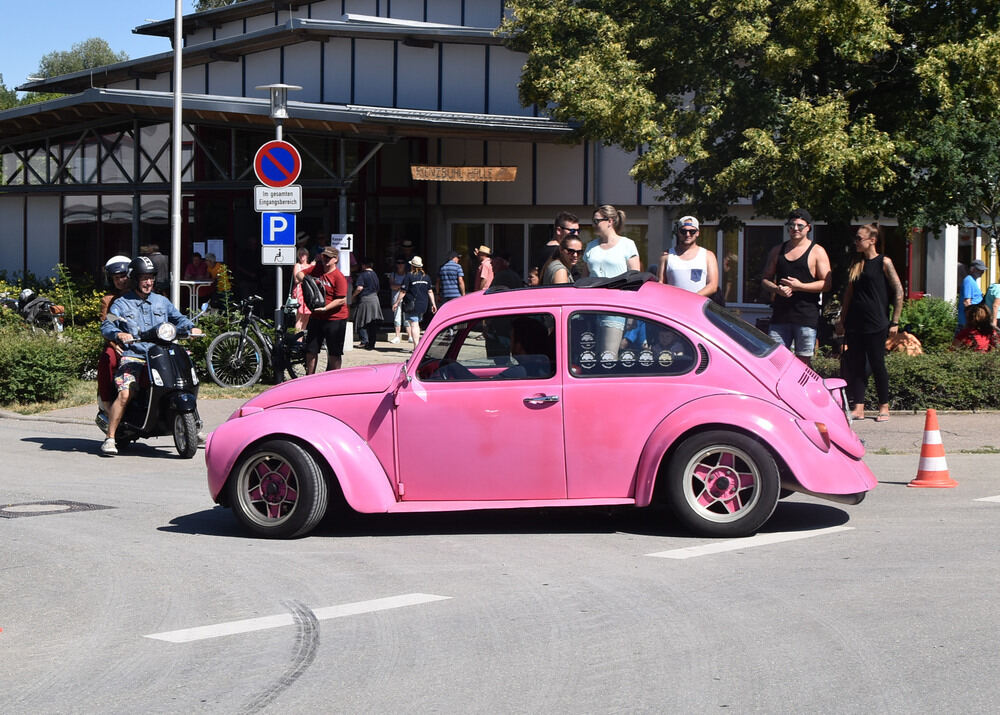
(116,266)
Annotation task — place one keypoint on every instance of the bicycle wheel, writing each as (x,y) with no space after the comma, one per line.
(234,360)
(295,358)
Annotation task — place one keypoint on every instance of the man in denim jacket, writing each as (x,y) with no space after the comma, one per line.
(137,310)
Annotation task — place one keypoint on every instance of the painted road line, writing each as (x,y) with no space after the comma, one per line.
(717,547)
(997,498)
(286,619)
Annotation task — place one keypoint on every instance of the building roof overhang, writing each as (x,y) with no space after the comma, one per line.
(295,30)
(97,107)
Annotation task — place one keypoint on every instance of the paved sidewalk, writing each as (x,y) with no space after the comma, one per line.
(902,434)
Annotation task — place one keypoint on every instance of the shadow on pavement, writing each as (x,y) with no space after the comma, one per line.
(93,446)
(652,521)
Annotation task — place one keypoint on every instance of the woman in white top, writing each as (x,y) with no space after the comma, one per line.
(687,265)
(610,255)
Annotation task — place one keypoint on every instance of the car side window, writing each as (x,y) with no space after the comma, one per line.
(604,344)
(497,348)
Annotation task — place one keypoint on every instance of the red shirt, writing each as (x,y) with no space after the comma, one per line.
(335,285)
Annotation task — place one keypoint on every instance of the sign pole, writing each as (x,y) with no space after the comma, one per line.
(279,314)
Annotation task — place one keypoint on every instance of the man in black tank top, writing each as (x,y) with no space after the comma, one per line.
(797,272)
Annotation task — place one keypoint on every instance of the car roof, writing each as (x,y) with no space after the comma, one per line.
(647,295)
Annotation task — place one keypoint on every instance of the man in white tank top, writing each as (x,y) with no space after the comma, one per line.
(687,265)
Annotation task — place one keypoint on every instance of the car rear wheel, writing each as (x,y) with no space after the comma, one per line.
(278,491)
(723,484)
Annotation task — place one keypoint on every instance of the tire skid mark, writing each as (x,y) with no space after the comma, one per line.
(303,654)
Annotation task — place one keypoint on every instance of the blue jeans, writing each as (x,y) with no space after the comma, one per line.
(802,336)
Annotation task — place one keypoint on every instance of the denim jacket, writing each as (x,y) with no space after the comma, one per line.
(140,314)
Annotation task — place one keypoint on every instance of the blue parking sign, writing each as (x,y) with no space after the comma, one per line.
(277,229)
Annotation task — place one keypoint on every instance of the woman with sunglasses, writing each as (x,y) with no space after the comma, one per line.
(560,270)
(865,321)
(610,254)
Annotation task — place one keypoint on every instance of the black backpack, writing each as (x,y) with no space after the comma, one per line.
(312,293)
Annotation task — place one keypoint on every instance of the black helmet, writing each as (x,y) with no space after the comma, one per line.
(141,265)
(116,266)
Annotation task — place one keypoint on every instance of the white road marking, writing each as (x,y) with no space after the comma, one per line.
(717,547)
(997,498)
(285,619)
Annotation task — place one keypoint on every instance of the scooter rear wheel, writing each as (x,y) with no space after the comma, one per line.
(185,434)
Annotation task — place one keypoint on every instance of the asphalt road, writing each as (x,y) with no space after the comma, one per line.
(886,607)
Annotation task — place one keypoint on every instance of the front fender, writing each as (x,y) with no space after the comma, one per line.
(819,472)
(364,482)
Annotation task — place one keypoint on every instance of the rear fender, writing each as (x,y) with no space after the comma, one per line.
(364,482)
(774,427)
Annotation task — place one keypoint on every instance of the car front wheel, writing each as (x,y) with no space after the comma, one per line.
(723,484)
(278,491)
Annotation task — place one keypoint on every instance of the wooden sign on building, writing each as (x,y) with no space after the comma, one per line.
(423,172)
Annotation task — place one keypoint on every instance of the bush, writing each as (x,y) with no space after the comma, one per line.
(944,380)
(932,320)
(35,367)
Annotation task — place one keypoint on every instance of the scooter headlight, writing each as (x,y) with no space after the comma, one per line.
(166,331)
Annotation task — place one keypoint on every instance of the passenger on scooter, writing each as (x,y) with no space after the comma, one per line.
(116,270)
(140,309)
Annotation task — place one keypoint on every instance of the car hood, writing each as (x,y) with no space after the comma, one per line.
(349,381)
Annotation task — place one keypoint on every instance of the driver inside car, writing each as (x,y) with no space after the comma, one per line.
(130,314)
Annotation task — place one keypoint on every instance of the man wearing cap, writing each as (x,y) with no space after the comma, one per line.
(688,265)
(451,279)
(484,274)
(970,293)
(329,322)
(796,273)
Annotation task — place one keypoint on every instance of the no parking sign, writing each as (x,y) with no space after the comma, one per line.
(277,163)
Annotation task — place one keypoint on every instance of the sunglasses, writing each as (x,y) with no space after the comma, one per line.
(572,231)
(797,226)
(598,220)
(687,231)
(574,251)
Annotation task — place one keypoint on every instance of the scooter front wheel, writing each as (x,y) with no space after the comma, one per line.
(185,434)
(234,360)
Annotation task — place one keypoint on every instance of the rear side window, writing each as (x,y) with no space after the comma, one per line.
(615,344)
(747,336)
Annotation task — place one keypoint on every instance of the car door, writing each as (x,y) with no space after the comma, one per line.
(625,373)
(482,416)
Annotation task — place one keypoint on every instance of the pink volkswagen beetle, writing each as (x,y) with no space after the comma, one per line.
(620,392)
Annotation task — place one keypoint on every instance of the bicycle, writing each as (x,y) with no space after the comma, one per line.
(237,358)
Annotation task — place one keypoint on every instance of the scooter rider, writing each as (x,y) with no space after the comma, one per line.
(140,309)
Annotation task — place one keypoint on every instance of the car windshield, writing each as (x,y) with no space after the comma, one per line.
(747,336)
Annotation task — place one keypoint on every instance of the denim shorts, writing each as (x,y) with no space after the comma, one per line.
(803,337)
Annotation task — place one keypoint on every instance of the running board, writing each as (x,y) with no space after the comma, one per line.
(421,506)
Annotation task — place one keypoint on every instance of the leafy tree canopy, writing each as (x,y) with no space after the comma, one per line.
(819,103)
(8,97)
(202,5)
(88,54)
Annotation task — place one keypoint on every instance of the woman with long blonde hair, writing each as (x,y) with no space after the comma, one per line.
(610,254)
(865,320)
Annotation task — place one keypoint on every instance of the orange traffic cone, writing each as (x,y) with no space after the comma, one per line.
(933,469)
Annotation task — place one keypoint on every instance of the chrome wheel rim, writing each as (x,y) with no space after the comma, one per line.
(721,483)
(268,489)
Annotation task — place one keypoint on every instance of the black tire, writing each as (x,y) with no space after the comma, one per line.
(277,490)
(723,484)
(186,434)
(234,360)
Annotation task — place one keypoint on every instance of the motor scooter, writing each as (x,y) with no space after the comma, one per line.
(166,398)
(39,312)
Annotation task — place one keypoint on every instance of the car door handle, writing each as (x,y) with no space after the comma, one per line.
(541,399)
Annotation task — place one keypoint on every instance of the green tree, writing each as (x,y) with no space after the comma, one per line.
(8,97)
(88,54)
(790,102)
(202,5)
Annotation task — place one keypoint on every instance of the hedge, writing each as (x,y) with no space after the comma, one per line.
(942,379)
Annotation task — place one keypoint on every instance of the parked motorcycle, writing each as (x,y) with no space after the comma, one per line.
(39,312)
(166,399)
